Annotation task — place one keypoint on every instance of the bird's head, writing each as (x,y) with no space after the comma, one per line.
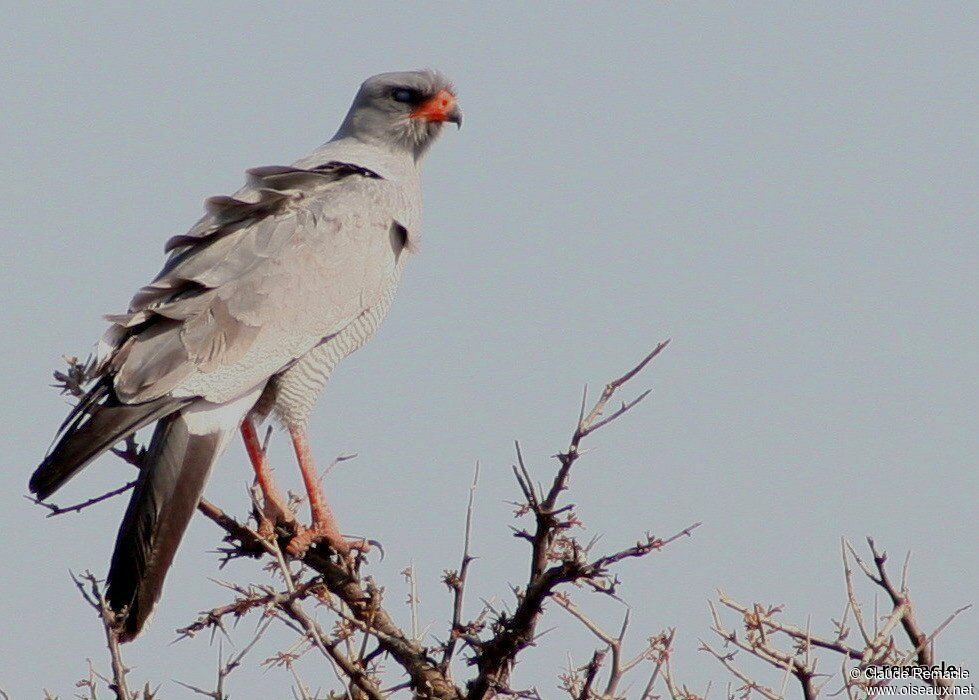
(404,110)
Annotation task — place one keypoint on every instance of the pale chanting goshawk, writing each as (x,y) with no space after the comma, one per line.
(253,308)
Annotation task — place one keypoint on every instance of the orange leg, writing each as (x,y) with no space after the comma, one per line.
(325,525)
(275,510)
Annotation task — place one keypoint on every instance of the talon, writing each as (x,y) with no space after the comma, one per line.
(300,543)
(376,545)
(276,513)
(324,532)
(275,522)
(266,530)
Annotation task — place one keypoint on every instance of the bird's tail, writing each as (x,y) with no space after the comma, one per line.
(97,423)
(169,488)
(183,450)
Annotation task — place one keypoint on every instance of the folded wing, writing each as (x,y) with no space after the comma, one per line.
(258,282)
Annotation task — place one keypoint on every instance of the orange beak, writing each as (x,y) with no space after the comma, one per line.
(441,108)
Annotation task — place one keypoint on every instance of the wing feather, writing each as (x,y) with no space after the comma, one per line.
(257,282)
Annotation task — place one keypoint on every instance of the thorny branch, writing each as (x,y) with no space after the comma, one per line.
(360,604)
(456,581)
(557,558)
(365,633)
(225,668)
(78,507)
(91,591)
(879,645)
(338,584)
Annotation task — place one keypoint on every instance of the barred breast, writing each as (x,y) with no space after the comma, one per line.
(294,392)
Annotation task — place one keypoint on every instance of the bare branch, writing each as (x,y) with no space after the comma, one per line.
(94,596)
(880,647)
(77,507)
(550,542)
(456,580)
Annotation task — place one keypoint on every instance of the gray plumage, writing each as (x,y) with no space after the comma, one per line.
(253,309)
(294,392)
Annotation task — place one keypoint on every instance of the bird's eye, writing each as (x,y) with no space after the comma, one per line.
(406,95)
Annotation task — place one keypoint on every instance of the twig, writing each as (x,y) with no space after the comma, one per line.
(225,669)
(902,600)
(456,580)
(880,647)
(794,632)
(77,507)
(96,599)
(549,542)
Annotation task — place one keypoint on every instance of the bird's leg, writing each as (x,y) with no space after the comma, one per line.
(324,527)
(275,510)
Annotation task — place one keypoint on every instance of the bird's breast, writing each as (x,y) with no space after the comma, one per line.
(296,390)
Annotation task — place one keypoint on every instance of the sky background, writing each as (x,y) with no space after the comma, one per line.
(787,191)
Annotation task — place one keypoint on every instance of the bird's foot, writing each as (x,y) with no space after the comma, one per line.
(306,537)
(275,517)
(324,528)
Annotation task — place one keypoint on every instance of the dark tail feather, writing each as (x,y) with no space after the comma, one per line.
(95,425)
(170,485)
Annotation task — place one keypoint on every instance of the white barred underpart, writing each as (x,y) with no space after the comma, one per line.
(296,389)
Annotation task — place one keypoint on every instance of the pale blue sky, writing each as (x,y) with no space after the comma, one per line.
(789,192)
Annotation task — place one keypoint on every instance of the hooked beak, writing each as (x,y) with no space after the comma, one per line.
(440,108)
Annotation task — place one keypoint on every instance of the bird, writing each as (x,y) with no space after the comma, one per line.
(254,307)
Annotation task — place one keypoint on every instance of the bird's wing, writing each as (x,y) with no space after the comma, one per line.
(258,282)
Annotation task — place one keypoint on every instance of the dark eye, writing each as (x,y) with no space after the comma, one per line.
(406,95)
